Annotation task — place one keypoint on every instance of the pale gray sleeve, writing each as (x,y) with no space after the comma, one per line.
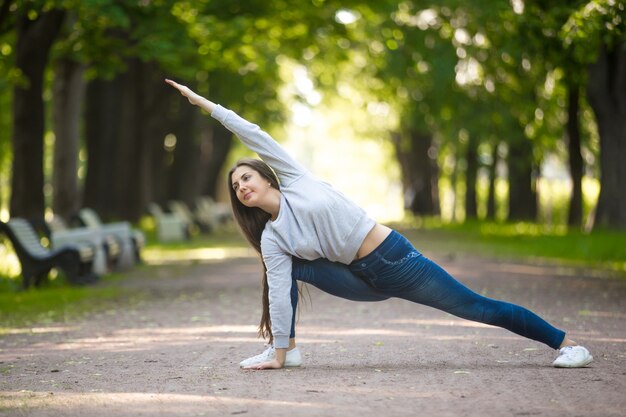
(259,141)
(279,266)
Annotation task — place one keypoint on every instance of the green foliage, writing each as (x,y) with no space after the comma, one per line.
(105,33)
(596,23)
(491,71)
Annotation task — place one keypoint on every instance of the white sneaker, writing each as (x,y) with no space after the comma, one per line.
(292,359)
(572,357)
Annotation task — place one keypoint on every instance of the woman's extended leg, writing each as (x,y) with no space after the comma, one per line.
(438,289)
(397,269)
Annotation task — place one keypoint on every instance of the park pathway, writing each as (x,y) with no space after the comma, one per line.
(172,348)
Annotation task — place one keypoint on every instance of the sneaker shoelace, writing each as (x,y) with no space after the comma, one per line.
(568,351)
(265,354)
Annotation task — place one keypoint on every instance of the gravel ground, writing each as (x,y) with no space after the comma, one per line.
(174,350)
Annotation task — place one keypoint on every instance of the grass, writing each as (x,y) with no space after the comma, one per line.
(600,249)
(52,304)
(57,302)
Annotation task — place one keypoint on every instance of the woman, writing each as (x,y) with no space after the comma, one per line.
(306,230)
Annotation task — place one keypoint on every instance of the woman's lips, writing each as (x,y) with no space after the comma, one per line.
(247,195)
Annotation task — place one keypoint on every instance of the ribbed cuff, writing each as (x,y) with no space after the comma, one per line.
(281,342)
(219,113)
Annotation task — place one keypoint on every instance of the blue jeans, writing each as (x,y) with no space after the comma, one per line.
(397,269)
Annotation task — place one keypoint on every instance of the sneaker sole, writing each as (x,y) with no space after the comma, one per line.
(580,365)
(287,365)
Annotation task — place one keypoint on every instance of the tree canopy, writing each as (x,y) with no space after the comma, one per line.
(468,86)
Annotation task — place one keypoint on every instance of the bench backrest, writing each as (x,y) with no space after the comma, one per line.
(26,237)
(155,210)
(57,224)
(90,218)
(182,210)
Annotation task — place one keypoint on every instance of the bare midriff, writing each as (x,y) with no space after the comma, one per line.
(373,239)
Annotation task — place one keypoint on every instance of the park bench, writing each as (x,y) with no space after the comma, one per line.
(130,240)
(182,210)
(213,213)
(169,226)
(107,248)
(74,260)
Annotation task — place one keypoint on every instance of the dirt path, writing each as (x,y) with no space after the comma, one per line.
(176,350)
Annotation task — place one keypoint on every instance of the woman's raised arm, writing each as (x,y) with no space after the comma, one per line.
(256,139)
(195,99)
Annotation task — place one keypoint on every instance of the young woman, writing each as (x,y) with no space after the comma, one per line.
(306,230)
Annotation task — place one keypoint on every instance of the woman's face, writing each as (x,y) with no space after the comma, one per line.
(249,186)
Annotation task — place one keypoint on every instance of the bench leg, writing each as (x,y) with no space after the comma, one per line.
(70,264)
(30,276)
(27,280)
(41,277)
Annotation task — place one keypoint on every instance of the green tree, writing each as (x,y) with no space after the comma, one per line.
(596,35)
(36,27)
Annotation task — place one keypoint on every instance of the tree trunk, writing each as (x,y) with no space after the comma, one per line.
(102,129)
(419,171)
(127,160)
(183,180)
(522,197)
(606,90)
(127,119)
(454,184)
(161,113)
(471,173)
(159,170)
(69,89)
(491,198)
(154,102)
(34,40)
(218,142)
(575,214)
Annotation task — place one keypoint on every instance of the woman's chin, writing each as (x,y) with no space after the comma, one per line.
(248,203)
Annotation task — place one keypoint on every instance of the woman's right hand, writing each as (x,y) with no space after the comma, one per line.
(195,99)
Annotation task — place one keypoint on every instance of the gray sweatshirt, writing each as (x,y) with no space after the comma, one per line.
(314,221)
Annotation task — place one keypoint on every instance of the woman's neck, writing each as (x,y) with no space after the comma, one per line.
(272,204)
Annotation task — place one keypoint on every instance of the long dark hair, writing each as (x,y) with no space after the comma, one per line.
(251,221)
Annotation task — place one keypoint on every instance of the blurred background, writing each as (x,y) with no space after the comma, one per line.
(454,110)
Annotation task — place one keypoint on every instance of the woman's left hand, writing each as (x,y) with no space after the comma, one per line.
(194,98)
(273,364)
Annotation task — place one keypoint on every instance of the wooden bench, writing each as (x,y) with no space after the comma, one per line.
(169,226)
(193,223)
(131,241)
(107,249)
(211,212)
(75,261)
